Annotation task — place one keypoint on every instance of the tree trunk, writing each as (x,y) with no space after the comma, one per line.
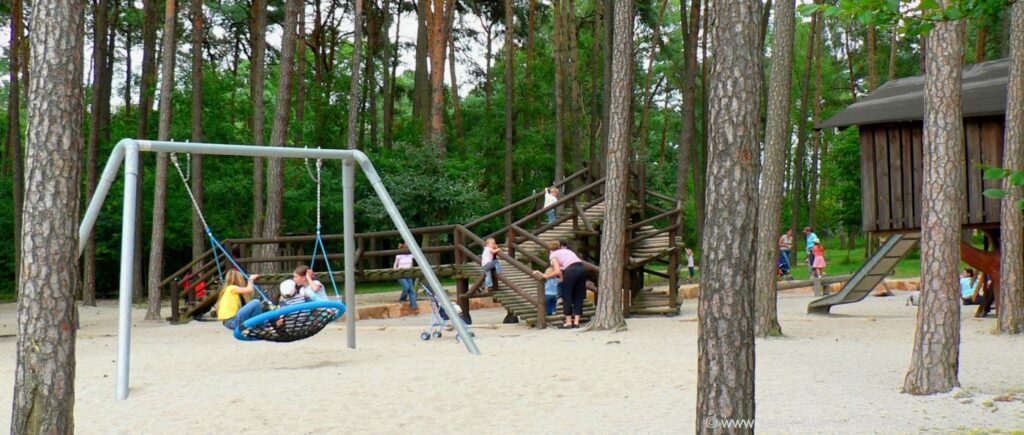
(421,86)
(849,63)
(257,67)
(596,69)
(777,134)
(488,55)
(127,70)
(700,160)
(812,204)
(935,360)
(389,88)
(456,101)
(98,129)
(872,59)
(44,378)
(147,85)
(1011,294)
(560,112)
(648,98)
(156,240)
(613,242)
(279,131)
(530,36)
(373,32)
(510,107)
(353,93)
(892,54)
(725,337)
(439,21)
(300,80)
(922,66)
(979,43)
(606,92)
(198,34)
(688,131)
(800,154)
(14,126)
(573,93)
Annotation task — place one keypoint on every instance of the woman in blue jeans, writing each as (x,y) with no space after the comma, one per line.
(229,305)
(405,261)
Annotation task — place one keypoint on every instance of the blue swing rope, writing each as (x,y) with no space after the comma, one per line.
(318,245)
(214,243)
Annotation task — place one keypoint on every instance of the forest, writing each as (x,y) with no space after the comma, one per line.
(226,74)
(465,106)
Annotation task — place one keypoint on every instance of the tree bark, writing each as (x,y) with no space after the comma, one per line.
(573,93)
(510,107)
(893,40)
(606,95)
(456,101)
(688,131)
(156,240)
(725,337)
(14,125)
(700,160)
(979,42)
(98,129)
(872,59)
(373,37)
(800,154)
(279,131)
(609,315)
(530,36)
(558,49)
(777,134)
(353,94)
(300,79)
(1011,294)
(127,70)
(849,63)
(256,87)
(816,135)
(389,88)
(935,359)
(596,70)
(421,85)
(147,85)
(198,32)
(44,378)
(439,22)
(648,98)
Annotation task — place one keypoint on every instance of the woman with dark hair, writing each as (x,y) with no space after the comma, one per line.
(566,264)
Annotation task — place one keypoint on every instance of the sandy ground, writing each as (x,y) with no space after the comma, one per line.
(840,374)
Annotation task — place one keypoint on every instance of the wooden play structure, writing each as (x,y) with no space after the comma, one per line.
(454,253)
(889,121)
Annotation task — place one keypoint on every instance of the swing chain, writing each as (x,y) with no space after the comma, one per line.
(319,169)
(184,179)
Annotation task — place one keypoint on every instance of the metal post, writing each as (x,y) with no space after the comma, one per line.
(124,325)
(417,253)
(348,187)
(99,195)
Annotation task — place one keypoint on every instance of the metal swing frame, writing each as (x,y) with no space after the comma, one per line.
(127,152)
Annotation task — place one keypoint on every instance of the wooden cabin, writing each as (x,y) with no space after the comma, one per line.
(890,127)
(889,120)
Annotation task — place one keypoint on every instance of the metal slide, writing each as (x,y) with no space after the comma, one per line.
(870,275)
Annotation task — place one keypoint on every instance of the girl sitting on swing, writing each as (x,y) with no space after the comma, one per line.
(229,303)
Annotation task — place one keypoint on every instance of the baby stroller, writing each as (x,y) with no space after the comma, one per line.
(784,267)
(438,317)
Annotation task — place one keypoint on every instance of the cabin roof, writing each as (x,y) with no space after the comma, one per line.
(984,93)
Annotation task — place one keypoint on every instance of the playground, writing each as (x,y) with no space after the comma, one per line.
(838,374)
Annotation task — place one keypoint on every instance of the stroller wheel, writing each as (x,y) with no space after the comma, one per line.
(472,334)
(424,336)
(437,334)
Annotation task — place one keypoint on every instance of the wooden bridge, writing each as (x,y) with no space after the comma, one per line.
(652,245)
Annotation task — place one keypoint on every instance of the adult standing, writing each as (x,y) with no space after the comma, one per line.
(550,197)
(786,245)
(809,247)
(566,263)
(406,261)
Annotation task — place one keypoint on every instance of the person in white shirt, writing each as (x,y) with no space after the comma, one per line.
(304,280)
(490,262)
(550,197)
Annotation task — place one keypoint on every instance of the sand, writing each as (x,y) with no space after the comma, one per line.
(840,374)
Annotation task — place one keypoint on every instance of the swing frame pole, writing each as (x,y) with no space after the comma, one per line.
(127,151)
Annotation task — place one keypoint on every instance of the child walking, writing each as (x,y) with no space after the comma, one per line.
(819,259)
